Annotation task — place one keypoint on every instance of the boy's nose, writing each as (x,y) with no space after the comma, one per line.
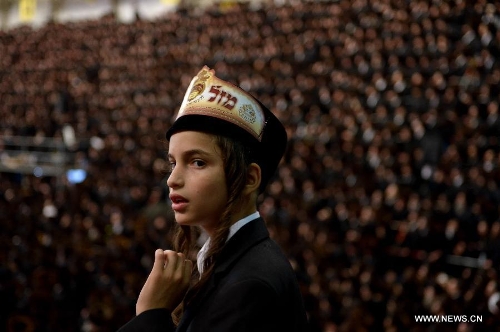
(174,180)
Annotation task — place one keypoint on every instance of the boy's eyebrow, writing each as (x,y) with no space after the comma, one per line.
(190,153)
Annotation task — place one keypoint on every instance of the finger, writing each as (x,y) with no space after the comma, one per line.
(180,261)
(171,261)
(159,260)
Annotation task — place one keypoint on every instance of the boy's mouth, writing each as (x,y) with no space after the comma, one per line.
(179,203)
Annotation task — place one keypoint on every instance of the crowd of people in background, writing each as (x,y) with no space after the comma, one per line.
(386,202)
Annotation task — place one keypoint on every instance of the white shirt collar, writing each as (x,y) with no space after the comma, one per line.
(232,230)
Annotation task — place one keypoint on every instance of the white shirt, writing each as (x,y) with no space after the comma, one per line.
(232,230)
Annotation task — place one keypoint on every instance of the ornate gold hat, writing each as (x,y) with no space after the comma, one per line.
(215,106)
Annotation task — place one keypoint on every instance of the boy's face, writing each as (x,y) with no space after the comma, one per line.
(197,182)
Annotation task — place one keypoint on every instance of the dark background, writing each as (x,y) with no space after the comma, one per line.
(387,200)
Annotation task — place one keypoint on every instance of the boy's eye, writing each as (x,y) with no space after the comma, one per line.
(171,166)
(198,163)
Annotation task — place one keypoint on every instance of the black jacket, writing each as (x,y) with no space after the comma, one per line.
(253,288)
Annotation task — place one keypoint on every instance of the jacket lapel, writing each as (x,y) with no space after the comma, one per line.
(245,238)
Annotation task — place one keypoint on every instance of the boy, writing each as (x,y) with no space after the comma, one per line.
(224,147)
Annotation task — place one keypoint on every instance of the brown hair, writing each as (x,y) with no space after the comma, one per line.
(236,159)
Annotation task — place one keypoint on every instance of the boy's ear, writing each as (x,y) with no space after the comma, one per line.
(254,177)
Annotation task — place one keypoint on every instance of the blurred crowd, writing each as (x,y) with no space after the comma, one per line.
(387,200)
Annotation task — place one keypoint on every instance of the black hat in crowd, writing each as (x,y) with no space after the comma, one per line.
(215,106)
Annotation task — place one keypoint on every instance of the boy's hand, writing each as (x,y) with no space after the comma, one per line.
(167,283)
